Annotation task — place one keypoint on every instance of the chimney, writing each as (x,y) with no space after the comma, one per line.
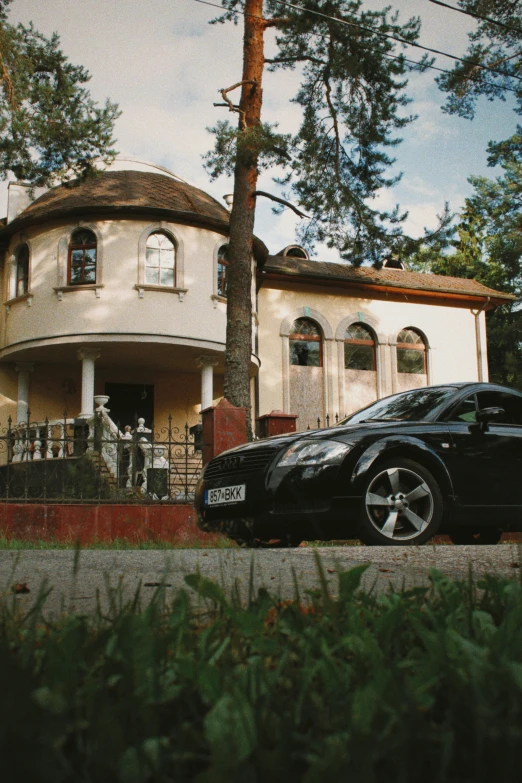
(19,196)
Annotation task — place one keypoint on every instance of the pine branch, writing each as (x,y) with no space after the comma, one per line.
(231,106)
(276,22)
(302,58)
(281,201)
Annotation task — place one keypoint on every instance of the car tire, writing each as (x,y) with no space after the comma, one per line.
(485,536)
(402,504)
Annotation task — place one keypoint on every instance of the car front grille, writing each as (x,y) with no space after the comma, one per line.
(248,461)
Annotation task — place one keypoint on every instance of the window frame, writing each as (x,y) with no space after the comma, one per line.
(400,346)
(295,336)
(161,285)
(72,246)
(176,237)
(16,294)
(222,262)
(354,341)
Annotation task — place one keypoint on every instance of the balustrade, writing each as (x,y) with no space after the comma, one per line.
(136,464)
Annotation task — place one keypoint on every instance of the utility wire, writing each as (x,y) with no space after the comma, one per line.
(400,40)
(478,16)
(387,56)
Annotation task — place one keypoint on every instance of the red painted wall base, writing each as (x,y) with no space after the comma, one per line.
(88,524)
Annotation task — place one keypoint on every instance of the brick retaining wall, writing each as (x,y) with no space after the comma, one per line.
(104,522)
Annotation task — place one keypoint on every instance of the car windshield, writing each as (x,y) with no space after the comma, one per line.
(415,405)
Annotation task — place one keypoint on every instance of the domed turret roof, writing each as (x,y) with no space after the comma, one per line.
(129,191)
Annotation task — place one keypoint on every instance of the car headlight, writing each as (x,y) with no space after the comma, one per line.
(313,452)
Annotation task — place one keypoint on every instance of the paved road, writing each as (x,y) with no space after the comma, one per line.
(100,571)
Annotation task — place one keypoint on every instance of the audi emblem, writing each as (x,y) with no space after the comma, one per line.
(231,463)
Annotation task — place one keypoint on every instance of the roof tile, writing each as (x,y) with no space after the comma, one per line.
(126,189)
(395,278)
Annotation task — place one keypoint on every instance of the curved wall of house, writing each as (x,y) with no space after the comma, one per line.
(118,308)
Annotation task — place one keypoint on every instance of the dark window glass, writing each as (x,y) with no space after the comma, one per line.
(359,348)
(411,352)
(415,405)
(296,252)
(22,271)
(306,344)
(511,404)
(82,257)
(222,270)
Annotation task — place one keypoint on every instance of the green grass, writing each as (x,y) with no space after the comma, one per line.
(419,685)
(192,542)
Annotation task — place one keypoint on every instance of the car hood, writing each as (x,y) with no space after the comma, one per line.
(342,433)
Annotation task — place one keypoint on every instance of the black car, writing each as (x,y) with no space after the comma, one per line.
(437,459)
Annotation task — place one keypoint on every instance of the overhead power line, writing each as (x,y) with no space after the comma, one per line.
(478,16)
(387,56)
(400,40)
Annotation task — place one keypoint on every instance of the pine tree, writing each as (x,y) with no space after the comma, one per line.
(353,77)
(493,70)
(487,247)
(50,128)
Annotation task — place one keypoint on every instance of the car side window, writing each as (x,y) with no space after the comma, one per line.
(465,411)
(511,404)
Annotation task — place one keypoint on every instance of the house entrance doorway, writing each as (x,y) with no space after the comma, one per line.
(129,402)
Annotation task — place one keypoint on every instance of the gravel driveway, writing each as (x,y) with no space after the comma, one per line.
(271,568)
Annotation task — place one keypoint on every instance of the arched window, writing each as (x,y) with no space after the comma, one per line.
(411,352)
(82,258)
(160,260)
(222,270)
(21,278)
(359,348)
(306,345)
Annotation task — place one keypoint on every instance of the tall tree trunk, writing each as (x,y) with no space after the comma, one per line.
(239,286)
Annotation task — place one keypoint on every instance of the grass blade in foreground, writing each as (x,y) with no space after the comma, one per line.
(424,684)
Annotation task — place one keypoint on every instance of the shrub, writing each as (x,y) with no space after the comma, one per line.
(423,684)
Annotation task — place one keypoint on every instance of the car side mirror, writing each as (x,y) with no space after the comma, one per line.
(485,415)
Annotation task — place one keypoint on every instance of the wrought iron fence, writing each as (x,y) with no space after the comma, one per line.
(92,460)
(328,421)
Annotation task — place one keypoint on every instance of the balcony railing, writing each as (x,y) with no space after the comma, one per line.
(92,460)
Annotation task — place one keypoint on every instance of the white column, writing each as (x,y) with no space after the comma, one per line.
(206,364)
(22,405)
(87,356)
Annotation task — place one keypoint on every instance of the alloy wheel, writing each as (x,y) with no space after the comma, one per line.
(399,504)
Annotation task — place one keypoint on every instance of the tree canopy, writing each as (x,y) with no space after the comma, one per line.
(487,247)
(492,66)
(489,243)
(50,127)
(351,90)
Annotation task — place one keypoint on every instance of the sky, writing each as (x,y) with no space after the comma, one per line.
(163,64)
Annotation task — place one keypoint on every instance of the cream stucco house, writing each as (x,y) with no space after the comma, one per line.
(117,286)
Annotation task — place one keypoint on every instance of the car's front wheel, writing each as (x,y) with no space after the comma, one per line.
(402,504)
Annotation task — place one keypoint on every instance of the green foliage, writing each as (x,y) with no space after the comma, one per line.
(353,103)
(488,248)
(424,684)
(50,128)
(269,147)
(494,44)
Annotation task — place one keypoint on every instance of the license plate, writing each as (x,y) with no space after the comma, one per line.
(225,495)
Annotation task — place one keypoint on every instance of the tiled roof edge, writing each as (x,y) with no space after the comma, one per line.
(483,293)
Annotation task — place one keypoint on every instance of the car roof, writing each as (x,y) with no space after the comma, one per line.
(477,386)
